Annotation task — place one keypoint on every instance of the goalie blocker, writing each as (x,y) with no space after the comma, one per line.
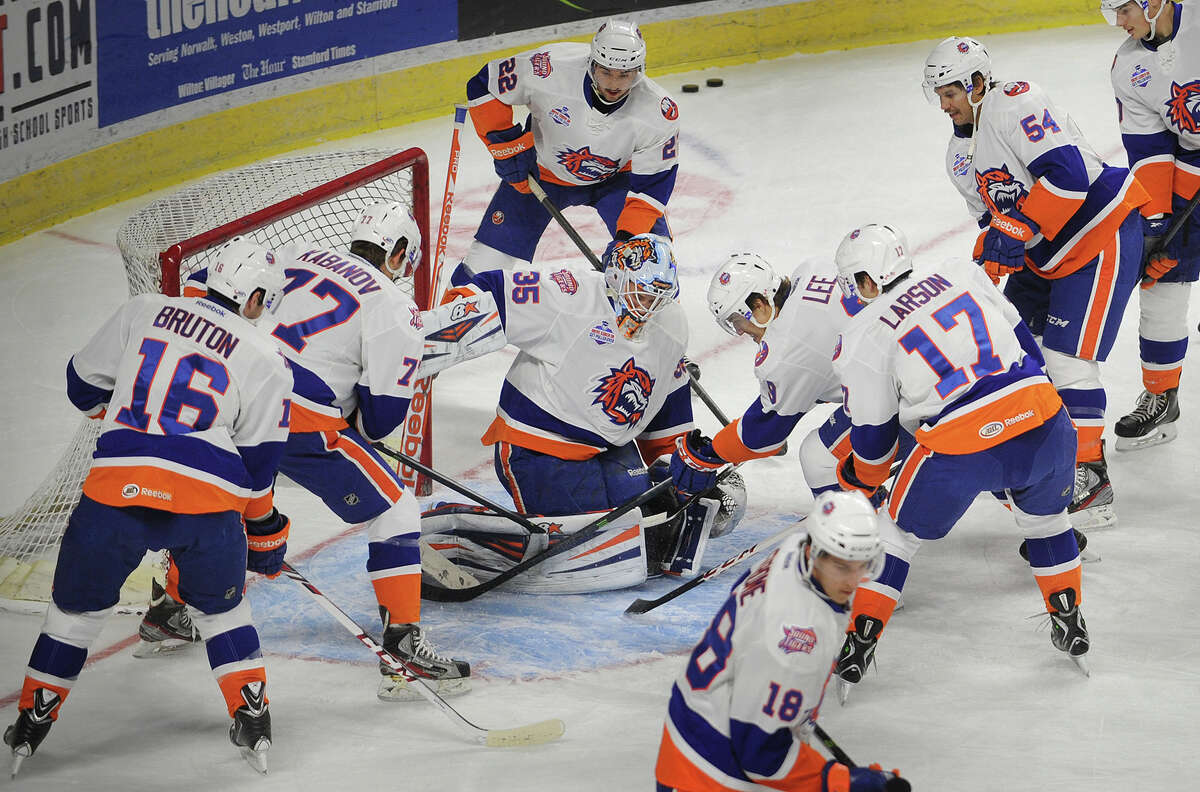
(633,547)
(465,327)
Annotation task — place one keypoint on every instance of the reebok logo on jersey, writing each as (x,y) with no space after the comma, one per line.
(131,490)
(798,639)
(1183,108)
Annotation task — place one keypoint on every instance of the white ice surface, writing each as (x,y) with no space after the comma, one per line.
(968,694)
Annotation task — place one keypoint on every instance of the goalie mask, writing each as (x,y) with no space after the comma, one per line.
(242,267)
(641,279)
(956,60)
(618,46)
(390,226)
(880,251)
(742,275)
(842,525)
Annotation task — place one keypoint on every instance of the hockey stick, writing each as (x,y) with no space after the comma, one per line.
(893,784)
(422,405)
(584,534)
(639,606)
(566,226)
(441,478)
(532,734)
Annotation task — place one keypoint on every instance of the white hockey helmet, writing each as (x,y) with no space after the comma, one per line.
(843,525)
(641,277)
(618,44)
(955,60)
(878,250)
(241,267)
(386,225)
(741,275)
(1108,9)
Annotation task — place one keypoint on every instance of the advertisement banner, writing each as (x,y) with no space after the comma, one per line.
(159,53)
(478,18)
(47,77)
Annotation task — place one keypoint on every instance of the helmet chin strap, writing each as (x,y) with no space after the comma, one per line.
(1153,20)
(974,119)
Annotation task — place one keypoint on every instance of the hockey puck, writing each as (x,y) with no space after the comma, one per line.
(691,88)
(714,82)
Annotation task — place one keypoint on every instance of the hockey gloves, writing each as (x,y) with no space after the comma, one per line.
(1003,248)
(1158,261)
(267,543)
(514,155)
(694,465)
(850,480)
(836,777)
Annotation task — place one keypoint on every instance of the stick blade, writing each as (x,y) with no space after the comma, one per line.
(533,734)
(639,606)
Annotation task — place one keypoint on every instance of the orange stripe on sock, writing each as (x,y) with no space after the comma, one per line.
(874,604)
(1091,446)
(1049,584)
(401,595)
(172,586)
(1161,381)
(32,685)
(231,686)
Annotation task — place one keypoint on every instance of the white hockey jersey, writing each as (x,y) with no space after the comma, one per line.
(578,144)
(1158,100)
(939,355)
(354,340)
(741,711)
(794,364)
(578,386)
(1029,155)
(194,401)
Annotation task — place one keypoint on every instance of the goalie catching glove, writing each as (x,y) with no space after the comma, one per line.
(1003,244)
(266,543)
(466,326)
(694,465)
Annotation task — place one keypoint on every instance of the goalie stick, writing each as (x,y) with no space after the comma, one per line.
(639,606)
(893,784)
(531,734)
(597,265)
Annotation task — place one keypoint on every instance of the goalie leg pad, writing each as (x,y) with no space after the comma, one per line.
(484,545)
(688,551)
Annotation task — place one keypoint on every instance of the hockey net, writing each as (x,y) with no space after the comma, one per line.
(313,198)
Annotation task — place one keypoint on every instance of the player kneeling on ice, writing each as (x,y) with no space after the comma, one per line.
(742,710)
(194,403)
(598,386)
(354,340)
(795,321)
(940,353)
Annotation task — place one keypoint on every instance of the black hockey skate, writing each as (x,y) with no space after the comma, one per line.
(1068,632)
(407,642)
(251,727)
(1092,504)
(1151,423)
(858,651)
(166,627)
(32,726)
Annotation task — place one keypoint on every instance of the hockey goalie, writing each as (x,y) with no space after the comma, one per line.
(597,394)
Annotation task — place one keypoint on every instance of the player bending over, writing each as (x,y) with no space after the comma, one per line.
(597,390)
(1160,127)
(355,340)
(742,710)
(193,399)
(1059,222)
(599,133)
(940,353)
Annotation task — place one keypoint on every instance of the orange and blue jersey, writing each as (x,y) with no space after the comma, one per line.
(195,404)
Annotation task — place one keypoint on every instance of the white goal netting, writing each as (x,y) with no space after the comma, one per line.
(314,198)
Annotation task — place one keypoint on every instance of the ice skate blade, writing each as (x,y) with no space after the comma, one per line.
(843,690)
(1089,556)
(256,757)
(146,650)
(1095,517)
(16,764)
(1081,662)
(398,689)
(1163,433)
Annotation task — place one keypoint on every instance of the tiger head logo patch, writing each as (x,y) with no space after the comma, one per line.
(1000,192)
(624,393)
(1183,108)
